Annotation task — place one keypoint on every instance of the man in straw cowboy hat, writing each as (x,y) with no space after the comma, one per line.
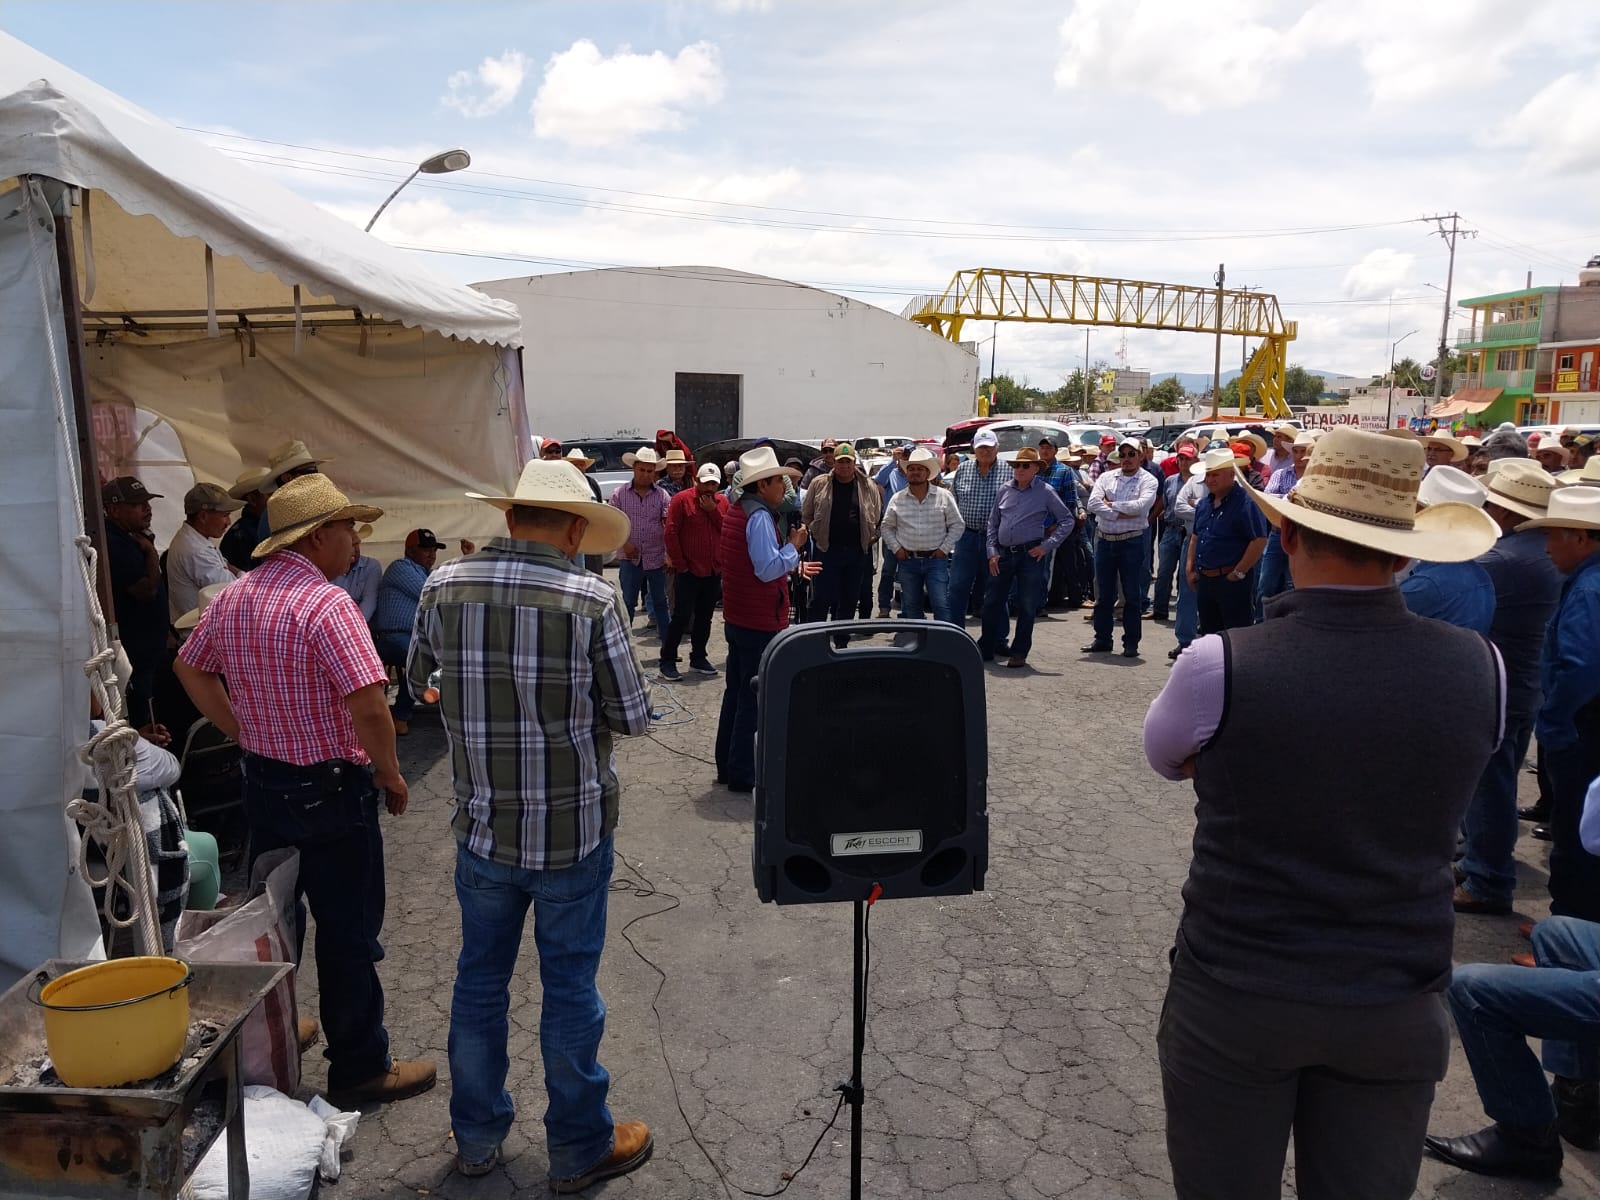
(1317,928)
(253,487)
(291,460)
(755,601)
(1526,586)
(1441,449)
(920,530)
(305,700)
(1027,523)
(643,565)
(537,677)
(1230,535)
(1120,504)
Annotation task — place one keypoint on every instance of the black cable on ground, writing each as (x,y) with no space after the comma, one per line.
(645,889)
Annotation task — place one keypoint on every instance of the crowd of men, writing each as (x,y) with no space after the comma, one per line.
(1317,930)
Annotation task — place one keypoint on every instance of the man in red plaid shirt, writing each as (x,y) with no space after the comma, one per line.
(305,700)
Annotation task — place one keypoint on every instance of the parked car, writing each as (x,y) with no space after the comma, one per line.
(609,471)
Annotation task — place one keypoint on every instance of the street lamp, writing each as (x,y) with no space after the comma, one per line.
(440,164)
(1388,420)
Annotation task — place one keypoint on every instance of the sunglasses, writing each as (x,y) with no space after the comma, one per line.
(1128,454)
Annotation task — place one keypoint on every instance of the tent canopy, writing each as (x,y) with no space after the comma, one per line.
(1467,400)
(56,122)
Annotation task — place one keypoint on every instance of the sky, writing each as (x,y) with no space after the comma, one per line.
(875,147)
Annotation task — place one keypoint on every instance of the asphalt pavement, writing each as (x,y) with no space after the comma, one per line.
(1011,1034)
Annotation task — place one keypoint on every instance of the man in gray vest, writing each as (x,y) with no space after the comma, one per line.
(1317,925)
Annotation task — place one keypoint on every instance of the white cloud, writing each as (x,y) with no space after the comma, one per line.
(500,79)
(1560,126)
(590,99)
(1228,53)
(1378,274)
(734,6)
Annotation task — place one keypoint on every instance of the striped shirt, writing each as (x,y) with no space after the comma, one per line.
(537,673)
(975,492)
(647,522)
(932,523)
(292,647)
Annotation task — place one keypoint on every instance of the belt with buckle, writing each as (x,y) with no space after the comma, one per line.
(1023,548)
(1214,572)
(1121,537)
(921,553)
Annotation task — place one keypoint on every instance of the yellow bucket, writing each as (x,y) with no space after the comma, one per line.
(116,1022)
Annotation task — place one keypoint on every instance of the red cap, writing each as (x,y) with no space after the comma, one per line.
(1107,439)
(1186,450)
(1243,450)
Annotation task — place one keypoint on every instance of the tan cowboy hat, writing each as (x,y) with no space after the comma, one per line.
(1521,485)
(1026,455)
(258,479)
(1361,488)
(1449,442)
(552,483)
(1471,442)
(762,463)
(1304,438)
(289,456)
(674,456)
(303,505)
(1401,432)
(645,454)
(1284,430)
(922,456)
(203,598)
(1570,508)
(363,532)
(579,459)
(1214,460)
(1256,440)
(1588,474)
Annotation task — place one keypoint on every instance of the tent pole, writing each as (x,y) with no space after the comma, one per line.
(89,470)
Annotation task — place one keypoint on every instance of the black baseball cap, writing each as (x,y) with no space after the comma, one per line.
(126,489)
(422,539)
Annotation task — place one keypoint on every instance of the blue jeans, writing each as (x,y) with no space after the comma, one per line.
(1174,538)
(969,573)
(1272,574)
(1490,823)
(1186,625)
(736,727)
(569,929)
(886,577)
(1122,561)
(329,812)
(1497,1008)
(1029,574)
(632,578)
(1149,566)
(925,578)
(392,650)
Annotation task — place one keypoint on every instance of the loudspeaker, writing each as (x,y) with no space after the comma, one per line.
(871,764)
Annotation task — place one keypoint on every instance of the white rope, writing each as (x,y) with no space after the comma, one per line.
(114,818)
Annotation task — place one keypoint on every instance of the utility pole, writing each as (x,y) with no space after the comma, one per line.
(1450,237)
(1085,374)
(1216,373)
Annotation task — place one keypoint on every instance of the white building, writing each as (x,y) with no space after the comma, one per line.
(714,353)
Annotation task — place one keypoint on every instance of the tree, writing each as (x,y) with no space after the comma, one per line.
(1013,397)
(1164,396)
(1301,387)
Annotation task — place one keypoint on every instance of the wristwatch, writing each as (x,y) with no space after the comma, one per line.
(1235,575)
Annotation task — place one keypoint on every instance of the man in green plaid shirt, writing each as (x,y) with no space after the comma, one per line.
(537,675)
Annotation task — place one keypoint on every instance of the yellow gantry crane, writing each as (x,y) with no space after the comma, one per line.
(989,294)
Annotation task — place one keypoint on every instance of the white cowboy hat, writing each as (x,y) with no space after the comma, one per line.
(579,459)
(552,483)
(1449,442)
(203,598)
(762,463)
(925,457)
(1304,438)
(1570,508)
(1521,485)
(258,479)
(1588,474)
(1450,485)
(1214,460)
(645,454)
(1361,488)
(289,456)
(306,504)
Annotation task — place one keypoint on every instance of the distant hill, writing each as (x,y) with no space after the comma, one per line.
(1195,381)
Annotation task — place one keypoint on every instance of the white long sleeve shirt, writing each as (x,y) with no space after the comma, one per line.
(1121,503)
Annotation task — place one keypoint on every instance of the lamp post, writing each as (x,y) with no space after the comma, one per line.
(1388,420)
(442,163)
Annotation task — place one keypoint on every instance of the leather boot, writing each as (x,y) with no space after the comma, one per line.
(1502,1150)
(1578,1111)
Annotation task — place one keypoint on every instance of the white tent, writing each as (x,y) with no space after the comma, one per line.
(222,315)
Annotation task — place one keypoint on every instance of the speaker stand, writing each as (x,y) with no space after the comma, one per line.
(853,1091)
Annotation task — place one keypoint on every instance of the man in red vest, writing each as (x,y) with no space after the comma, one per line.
(755,566)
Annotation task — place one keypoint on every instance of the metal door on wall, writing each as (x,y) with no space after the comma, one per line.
(707,407)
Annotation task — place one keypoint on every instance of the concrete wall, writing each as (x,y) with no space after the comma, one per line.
(1572,315)
(603,349)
